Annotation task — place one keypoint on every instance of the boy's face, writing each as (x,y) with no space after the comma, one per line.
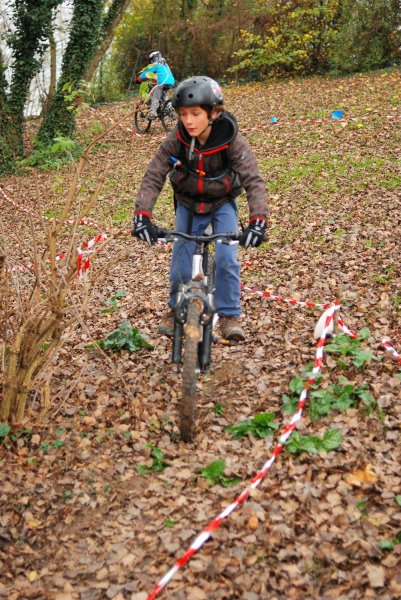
(195,119)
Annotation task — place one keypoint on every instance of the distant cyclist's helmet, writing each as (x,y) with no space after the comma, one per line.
(155,56)
(200,90)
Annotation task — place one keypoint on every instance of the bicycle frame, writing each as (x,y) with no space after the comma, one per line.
(197,288)
(201,289)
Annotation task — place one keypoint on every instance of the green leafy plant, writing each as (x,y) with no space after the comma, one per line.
(346,346)
(7,436)
(296,385)
(4,430)
(340,397)
(122,215)
(313,444)
(290,403)
(50,213)
(169,522)
(63,150)
(396,300)
(218,409)
(112,303)
(158,464)
(214,473)
(362,507)
(262,426)
(126,337)
(398,500)
(389,544)
(57,443)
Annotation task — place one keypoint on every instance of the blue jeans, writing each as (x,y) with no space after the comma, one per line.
(227,297)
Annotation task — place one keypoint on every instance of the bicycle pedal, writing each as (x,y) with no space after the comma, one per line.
(225,342)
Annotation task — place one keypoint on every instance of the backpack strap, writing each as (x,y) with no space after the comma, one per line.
(181,155)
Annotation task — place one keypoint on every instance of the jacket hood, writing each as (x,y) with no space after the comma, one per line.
(224,130)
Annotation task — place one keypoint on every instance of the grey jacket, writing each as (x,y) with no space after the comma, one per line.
(208,179)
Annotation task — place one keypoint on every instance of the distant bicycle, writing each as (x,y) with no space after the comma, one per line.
(165,112)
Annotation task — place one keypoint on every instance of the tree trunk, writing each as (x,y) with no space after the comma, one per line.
(110,23)
(8,144)
(53,72)
(31,18)
(84,36)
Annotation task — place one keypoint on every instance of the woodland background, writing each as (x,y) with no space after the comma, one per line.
(245,40)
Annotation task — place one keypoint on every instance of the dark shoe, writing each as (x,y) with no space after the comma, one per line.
(166,327)
(231,329)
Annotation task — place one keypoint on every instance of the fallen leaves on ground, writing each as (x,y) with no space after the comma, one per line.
(78,522)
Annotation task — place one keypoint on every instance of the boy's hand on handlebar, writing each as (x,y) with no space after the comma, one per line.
(144,228)
(255,233)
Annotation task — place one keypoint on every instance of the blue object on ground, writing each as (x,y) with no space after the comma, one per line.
(337,114)
(273,120)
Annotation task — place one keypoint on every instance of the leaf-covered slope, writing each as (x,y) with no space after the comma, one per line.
(79,521)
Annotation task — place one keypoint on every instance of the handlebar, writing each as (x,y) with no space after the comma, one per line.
(171,233)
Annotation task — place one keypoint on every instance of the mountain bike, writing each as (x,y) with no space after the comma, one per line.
(194,320)
(165,112)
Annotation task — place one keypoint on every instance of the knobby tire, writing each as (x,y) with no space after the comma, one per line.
(168,121)
(192,333)
(142,124)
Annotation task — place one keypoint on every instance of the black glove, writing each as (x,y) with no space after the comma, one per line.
(144,228)
(254,234)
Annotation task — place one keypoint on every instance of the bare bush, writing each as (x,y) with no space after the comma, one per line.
(38,312)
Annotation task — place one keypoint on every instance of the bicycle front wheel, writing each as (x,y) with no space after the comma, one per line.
(142,123)
(190,370)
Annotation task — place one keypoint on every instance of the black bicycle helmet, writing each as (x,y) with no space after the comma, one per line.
(198,90)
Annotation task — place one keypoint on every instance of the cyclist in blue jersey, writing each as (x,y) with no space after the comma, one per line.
(159,70)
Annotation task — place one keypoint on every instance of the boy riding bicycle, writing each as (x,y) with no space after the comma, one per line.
(159,70)
(211,163)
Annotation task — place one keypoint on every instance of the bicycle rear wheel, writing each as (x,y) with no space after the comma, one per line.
(142,123)
(190,370)
(168,117)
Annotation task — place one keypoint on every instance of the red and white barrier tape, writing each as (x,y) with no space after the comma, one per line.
(345,329)
(265,294)
(31,266)
(385,343)
(272,123)
(114,122)
(257,479)
(121,125)
(84,251)
(285,434)
(36,215)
